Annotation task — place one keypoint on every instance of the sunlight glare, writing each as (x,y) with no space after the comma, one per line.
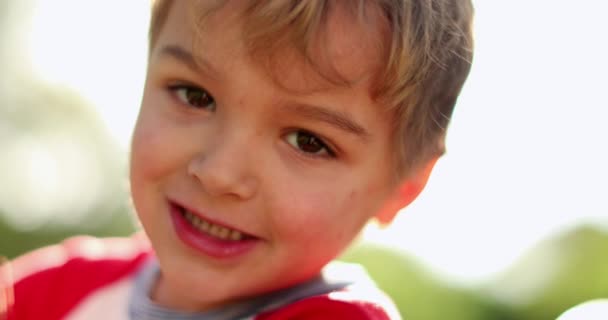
(56,180)
(99,50)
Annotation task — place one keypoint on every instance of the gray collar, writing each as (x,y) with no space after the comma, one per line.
(141,307)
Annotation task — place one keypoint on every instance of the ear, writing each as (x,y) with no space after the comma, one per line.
(406,192)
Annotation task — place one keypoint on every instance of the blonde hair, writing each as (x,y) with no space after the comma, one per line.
(427,51)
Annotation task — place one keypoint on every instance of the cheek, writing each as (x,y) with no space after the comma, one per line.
(333,215)
(146,148)
(159,146)
(309,217)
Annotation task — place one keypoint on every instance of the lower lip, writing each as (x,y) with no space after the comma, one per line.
(206,244)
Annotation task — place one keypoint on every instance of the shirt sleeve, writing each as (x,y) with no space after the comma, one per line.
(49,282)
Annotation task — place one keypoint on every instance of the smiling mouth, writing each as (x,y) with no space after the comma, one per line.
(212,229)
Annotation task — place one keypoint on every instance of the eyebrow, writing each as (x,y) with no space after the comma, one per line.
(334,118)
(196,64)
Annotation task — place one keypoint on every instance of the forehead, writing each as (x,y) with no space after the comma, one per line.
(345,48)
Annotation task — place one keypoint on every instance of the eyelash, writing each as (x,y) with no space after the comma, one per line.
(328,151)
(180,91)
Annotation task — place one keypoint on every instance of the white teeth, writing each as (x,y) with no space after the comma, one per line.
(205,226)
(224,233)
(212,229)
(196,222)
(235,235)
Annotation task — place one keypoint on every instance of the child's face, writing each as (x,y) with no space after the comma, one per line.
(291,177)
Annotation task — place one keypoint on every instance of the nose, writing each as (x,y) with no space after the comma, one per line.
(225,169)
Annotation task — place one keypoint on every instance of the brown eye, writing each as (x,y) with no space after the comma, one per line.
(194,97)
(308,143)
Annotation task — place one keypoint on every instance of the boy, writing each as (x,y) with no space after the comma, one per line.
(269,134)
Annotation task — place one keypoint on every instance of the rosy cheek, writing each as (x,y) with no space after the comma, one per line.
(151,152)
(144,147)
(314,212)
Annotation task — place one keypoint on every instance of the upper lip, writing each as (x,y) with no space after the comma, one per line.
(203,217)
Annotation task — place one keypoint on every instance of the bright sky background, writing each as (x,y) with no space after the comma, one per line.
(527,149)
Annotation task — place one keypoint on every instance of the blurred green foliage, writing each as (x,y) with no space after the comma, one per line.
(577,270)
(573,267)
(14,242)
(418,294)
